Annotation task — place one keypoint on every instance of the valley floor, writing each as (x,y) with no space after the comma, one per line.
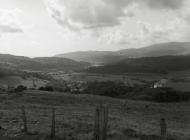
(75,116)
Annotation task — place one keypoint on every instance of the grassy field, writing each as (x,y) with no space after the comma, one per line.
(17,80)
(128,119)
(135,78)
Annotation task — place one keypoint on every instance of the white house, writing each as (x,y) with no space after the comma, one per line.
(160,83)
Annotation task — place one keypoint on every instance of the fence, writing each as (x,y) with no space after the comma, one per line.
(101,119)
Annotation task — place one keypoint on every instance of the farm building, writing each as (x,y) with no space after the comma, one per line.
(160,83)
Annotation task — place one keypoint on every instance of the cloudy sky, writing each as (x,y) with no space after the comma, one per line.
(48,27)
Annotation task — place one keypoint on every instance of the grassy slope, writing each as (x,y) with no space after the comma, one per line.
(16,80)
(12,63)
(162,65)
(75,114)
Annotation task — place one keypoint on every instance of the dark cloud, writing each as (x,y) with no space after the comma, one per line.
(171,4)
(166,4)
(87,14)
(119,3)
(57,15)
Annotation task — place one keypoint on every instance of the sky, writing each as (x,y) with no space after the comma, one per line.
(48,27)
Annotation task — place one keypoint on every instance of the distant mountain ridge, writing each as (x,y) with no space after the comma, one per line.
(80,60)
(90,56)
(162,49)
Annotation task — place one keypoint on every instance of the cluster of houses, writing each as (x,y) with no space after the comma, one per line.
(161,83)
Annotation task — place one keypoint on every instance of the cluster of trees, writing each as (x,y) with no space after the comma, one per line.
(161,95)
(107,88)
(137,92)
(60,86)
(46,88)
(170,95)
(20,88)
(118,90)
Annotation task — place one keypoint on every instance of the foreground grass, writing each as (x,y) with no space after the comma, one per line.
(75,116)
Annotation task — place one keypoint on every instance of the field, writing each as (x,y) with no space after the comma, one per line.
(127,78)
(177,80)
(14,81)
(128,119)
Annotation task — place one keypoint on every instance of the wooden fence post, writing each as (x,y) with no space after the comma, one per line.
(24,119)
(101,121)
(105,121)
(96,125)
(53,124)
(163,129)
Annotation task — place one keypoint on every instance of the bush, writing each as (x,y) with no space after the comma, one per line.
(46,88)
(20,88)
(108,88)
(59,86)
(41,88)
(162,95)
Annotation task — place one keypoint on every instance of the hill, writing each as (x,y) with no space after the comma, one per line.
(171,48)
(40,64)
(55,64)
(162,64)
(96,57)
(162,49)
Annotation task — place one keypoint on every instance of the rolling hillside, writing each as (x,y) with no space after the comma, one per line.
(40,64)
(162,64)
(91,56)
(55,64)
(171,48)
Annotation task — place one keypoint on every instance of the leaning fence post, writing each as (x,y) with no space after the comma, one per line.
(101,121)
(96,125)
(53,124)
(24,119)
(163,129)
(105,122)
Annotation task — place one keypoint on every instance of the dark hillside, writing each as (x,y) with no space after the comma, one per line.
(162,64)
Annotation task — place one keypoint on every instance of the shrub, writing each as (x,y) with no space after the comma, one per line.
(108,88)
(167,96)
(60,86)
(41,88)
(46,88)
(162,95)
(20,88)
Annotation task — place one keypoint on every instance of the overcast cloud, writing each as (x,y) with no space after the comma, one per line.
(58,26)
(91,15)
(101,13)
